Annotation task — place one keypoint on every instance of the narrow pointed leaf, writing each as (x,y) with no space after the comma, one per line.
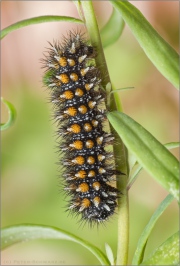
(172,145)
(111,33)
(78,6)
(109,254)
(150,153)
(139,253)
(166,254)
(22,233)
(162,55)
(134,175)
(37,20)
(12,115)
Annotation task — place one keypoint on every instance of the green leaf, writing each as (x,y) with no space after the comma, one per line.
(37,20)
(21,233)
(139,253)
(166,254)
(121,89)
(134,176)
(150,153)
(172,145)
(111,33)
(47,76)
(132,162)
(162,55)
(78,6)
(12,115)
(109,254)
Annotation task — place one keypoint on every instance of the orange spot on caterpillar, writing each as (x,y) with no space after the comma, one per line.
(91,104)
(78,160)
(90,160)
(99,140)
(89,144)
(87,127)
(101,157)
(71,62)
(63,61)
(85,204)
(83,187)
(96,185)
(96,201)
(79,92)
(82,109)
(68,95)
(81,174)
(101,170)
(77,144)
(84,71)
(94,123)
(75,128)
(88,86)
(74,77)
(91,173)
(63,78)
(71,111)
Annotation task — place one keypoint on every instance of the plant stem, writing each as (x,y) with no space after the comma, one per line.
(120,153)
(123,224)
(119,150)
(93,30)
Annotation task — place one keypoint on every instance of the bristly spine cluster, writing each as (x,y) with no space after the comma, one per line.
(74,84)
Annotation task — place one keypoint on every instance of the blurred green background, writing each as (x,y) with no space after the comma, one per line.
(30,191)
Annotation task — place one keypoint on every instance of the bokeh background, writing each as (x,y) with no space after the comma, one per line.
(30,183)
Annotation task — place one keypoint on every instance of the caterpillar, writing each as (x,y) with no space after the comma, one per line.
(75,88)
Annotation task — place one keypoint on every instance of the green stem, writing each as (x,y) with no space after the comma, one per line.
(119,150)
(122,180)
(123,226)
(93,30)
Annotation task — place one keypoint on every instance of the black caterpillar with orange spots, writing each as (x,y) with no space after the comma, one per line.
(74,84)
